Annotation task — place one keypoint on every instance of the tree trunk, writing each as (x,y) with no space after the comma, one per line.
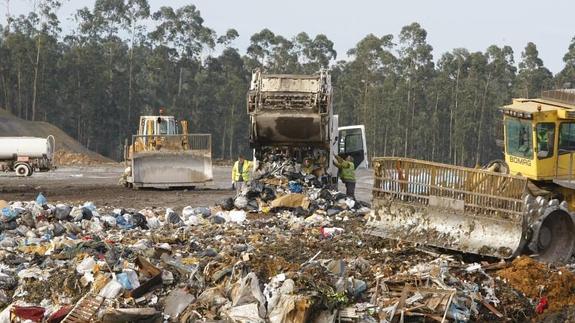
(223,153)
(20,91)
(452,118)
(385,141)
(436,128)
(479,129)
(130,92)
(7,100)
(406,137)
(35,86)
(232,123)
(180,81)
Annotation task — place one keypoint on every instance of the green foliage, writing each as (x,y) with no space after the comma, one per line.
(113,67)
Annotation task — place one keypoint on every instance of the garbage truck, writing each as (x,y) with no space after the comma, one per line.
(524,204)
(293,114)
(164,155)
(25,155)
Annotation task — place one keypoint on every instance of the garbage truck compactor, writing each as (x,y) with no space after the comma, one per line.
(524,204)
(293,114)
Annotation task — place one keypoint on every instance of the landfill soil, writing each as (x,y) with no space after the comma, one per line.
(537,280)
(99,184)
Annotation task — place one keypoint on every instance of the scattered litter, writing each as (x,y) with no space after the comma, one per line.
(285,249)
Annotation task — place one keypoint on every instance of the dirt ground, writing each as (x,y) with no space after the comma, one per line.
(99,184)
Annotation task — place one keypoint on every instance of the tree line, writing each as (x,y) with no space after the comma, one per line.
(95,80)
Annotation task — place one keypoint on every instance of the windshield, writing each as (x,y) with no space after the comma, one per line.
(567,137)
(350,141)
(162,126)
(545,139)
(519,139)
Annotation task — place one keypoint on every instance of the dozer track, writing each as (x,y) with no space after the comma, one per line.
(451,207)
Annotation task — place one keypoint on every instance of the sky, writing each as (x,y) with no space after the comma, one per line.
(450,24)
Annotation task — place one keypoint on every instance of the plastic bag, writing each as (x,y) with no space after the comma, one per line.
(111,290)
(87,265)
(41,200)
(249,292)
(176,302)
(237,216)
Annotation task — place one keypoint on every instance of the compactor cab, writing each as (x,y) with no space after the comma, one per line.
(164,155)
(524,205)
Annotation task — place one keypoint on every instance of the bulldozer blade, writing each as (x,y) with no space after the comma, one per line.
(163,169)
(451,207)
(443,228)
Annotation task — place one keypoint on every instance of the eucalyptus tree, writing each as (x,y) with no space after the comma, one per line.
(533,76)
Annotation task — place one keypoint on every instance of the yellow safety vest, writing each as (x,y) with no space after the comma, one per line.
(245,175)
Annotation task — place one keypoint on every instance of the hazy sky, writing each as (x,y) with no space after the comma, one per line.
(449,23)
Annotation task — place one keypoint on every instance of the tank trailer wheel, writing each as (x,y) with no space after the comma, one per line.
(23,170)
(556,237)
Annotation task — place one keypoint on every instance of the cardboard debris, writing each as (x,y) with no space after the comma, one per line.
(291,201)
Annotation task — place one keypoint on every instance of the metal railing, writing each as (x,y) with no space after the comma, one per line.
(474,191)
(563,95)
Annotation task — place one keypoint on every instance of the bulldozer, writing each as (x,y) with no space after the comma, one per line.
(522,205)
(164,155)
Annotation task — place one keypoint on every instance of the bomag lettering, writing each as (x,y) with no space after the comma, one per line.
(521,161)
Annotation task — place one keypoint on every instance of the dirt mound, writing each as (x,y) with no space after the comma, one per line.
(536,280)
(12,126)
(66,158)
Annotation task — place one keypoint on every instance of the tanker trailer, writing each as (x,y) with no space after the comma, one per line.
(25,155)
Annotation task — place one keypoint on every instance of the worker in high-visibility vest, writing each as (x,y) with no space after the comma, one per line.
(347,174)
(240,173)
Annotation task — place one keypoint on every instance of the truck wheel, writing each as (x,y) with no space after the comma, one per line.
(23,170)
(31,170)
(556,238)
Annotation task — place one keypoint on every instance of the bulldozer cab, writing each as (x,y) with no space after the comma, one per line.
(158,125)
(540,138)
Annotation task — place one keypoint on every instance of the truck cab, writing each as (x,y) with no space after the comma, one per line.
(351,142)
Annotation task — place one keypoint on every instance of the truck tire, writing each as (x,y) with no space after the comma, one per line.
(23,170)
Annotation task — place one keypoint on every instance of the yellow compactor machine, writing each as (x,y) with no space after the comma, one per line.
(164,155)
(523,205)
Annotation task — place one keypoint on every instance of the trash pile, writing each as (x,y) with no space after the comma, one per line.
(285,249)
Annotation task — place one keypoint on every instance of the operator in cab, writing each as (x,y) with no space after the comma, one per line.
(240,173)
(347,174)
